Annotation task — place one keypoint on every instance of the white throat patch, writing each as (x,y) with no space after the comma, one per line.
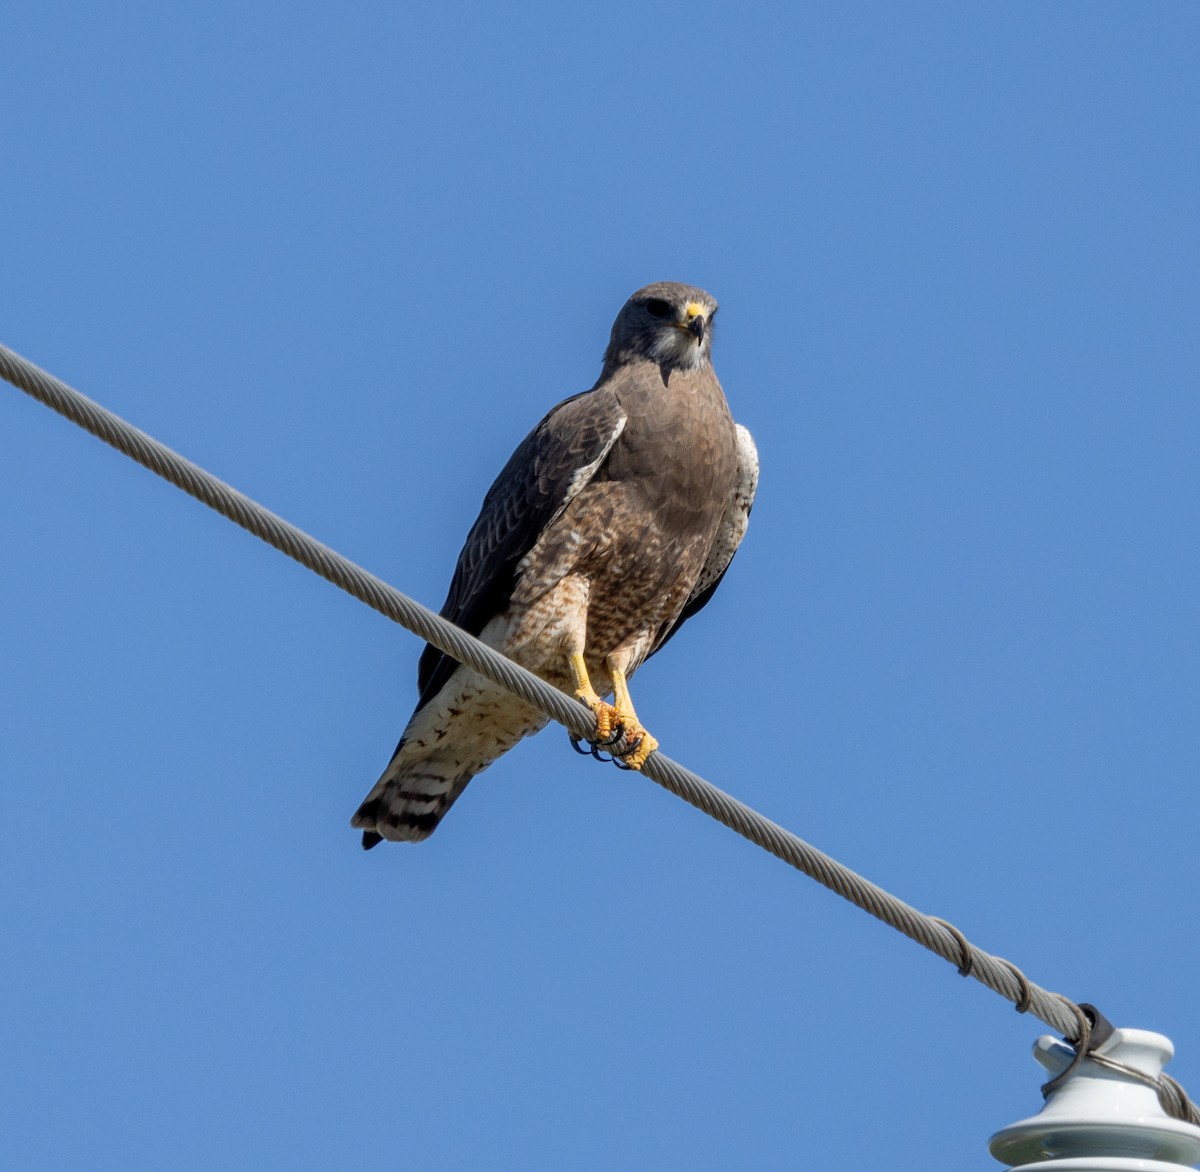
(680,349)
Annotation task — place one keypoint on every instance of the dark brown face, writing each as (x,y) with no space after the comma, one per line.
(670,324)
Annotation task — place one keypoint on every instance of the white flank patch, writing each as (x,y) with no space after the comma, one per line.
(737,514)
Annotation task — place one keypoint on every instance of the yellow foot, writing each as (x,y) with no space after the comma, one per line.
(608,719)
(618,730)
(638,743)
(643,745)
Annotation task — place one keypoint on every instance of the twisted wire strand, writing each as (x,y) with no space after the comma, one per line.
(1172,1098)
(938,936)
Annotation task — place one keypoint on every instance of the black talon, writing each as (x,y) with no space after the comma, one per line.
(619,762)
(592,749)
(618,734)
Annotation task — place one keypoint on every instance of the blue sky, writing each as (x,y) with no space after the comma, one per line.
(345,257)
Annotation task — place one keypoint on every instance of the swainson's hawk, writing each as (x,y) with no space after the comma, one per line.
(613,522)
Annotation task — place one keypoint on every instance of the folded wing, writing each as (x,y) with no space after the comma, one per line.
(729,535)
(550,466)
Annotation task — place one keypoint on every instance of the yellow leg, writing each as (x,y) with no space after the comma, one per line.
(607,717)
(621,697)
(633,727)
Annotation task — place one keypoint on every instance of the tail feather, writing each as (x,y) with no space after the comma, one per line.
(448,741)
(407,804)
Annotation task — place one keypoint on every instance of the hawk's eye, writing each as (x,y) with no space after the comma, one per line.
(657,308)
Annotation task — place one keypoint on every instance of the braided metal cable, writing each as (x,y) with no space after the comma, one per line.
(948,942)
(286,538)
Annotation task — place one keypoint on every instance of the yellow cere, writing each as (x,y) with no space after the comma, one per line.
(694,309)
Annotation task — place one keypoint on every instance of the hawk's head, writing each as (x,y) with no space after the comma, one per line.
(667,323)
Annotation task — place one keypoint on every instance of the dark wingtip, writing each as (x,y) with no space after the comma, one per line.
(370,839)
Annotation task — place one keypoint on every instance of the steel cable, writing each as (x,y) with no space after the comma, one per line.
(936,935)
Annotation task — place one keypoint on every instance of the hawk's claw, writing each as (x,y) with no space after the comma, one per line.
(630,749)
(619,747)
(592,750)
(617,727)
(618,735)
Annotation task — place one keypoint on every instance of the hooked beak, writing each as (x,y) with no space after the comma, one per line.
(695,327)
